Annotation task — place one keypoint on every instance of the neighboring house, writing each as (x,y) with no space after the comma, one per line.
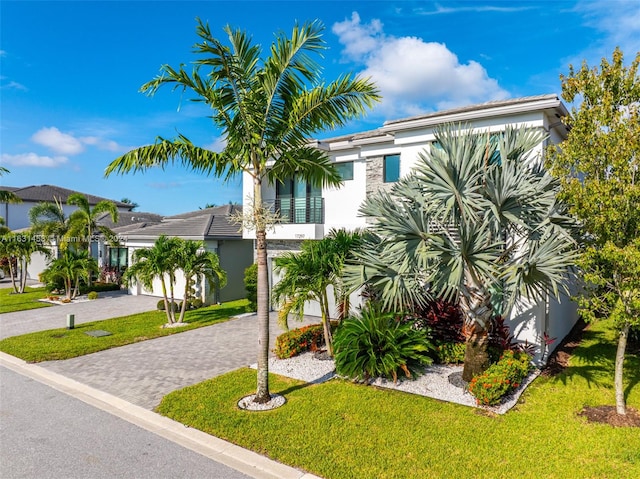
(214,226)
(373,160)
(16,215)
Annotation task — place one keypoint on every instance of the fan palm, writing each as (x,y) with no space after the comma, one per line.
(267,109)
(478,215)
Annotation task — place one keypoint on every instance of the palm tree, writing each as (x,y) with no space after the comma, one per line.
(196,262)
(157,262)
(308,275)
(8,196)
(70,267)
(83,221)
(20,247)
(477,216)
(267,109)
(49,220)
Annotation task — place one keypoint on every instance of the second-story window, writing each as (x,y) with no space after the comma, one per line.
(345,170)
(391,168)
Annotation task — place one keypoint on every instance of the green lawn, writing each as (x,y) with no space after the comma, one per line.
(342,430)
(64,344)
(10,302)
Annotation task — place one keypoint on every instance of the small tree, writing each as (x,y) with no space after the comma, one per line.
(599,167)
(70,267)
(308,275)
(251,285)
(157,262)
(196,262)
(18,248)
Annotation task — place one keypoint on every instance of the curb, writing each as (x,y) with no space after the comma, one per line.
(224,452)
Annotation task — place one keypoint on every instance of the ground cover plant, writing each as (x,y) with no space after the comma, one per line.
(389,434)
(11,302)
(63,343)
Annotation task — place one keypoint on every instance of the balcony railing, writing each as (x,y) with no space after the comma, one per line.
(308,210)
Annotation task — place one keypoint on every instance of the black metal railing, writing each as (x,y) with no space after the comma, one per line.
(308,210)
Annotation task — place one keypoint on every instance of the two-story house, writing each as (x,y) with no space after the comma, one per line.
(372,160)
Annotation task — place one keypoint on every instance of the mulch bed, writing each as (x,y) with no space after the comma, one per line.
(608,415)
(559,360)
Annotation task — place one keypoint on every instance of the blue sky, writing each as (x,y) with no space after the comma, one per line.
(70,73)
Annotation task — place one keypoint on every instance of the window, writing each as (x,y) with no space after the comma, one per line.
(298,201)
(391,168)
(118,258)
(345,170)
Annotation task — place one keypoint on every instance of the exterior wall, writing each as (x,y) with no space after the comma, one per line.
(235,257)
(528,320)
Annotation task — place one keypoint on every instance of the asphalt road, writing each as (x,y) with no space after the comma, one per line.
(45,433)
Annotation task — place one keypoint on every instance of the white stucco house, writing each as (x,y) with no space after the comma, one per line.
(213,226)
(373,160)
(16,215)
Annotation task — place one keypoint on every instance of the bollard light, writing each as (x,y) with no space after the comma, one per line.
(71,319)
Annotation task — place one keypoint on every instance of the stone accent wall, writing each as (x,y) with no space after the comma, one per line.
(375,175)
(277,247)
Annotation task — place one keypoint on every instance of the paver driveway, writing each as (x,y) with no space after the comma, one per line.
(142,373)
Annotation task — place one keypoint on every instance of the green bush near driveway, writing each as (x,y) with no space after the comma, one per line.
(11,302)
(341,430)
(65,343)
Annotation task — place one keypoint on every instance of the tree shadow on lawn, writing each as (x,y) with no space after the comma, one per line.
(204,315)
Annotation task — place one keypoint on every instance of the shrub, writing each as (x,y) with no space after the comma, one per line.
(449,353)
(376,344)
(442,319)
(92,295)
(196,303)
(251,285)
(160,305)
(501,378)
(98,287)
(300,340)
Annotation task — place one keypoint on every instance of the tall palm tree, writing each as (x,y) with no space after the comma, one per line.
(70,267)
(157,262)
(196,262)
(83,221)
(20,247)
(267,109)
(308,275)
(478,215)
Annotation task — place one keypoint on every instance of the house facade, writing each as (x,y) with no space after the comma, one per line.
(16,215)
(214,226)
(374,160)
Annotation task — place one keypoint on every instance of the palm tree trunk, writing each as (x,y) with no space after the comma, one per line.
(262,391)
(326,324)
(619,369)
(12,274)
(187,286)
(89,254)
(23,275)
(475,304)
(167,305)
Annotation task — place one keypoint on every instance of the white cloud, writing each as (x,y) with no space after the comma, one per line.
(618,21)
(103,144)
(217,145)
(440,10)
(32,159)
(57,141)
(414,76)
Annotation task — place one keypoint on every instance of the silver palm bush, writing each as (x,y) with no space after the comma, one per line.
(478,215)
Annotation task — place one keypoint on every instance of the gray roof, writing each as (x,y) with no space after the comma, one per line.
(381,132)
(38,193)
(130,218)
(209,223)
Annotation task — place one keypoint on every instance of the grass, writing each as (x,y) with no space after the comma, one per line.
(65,343)
(11,302)
(337,428)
